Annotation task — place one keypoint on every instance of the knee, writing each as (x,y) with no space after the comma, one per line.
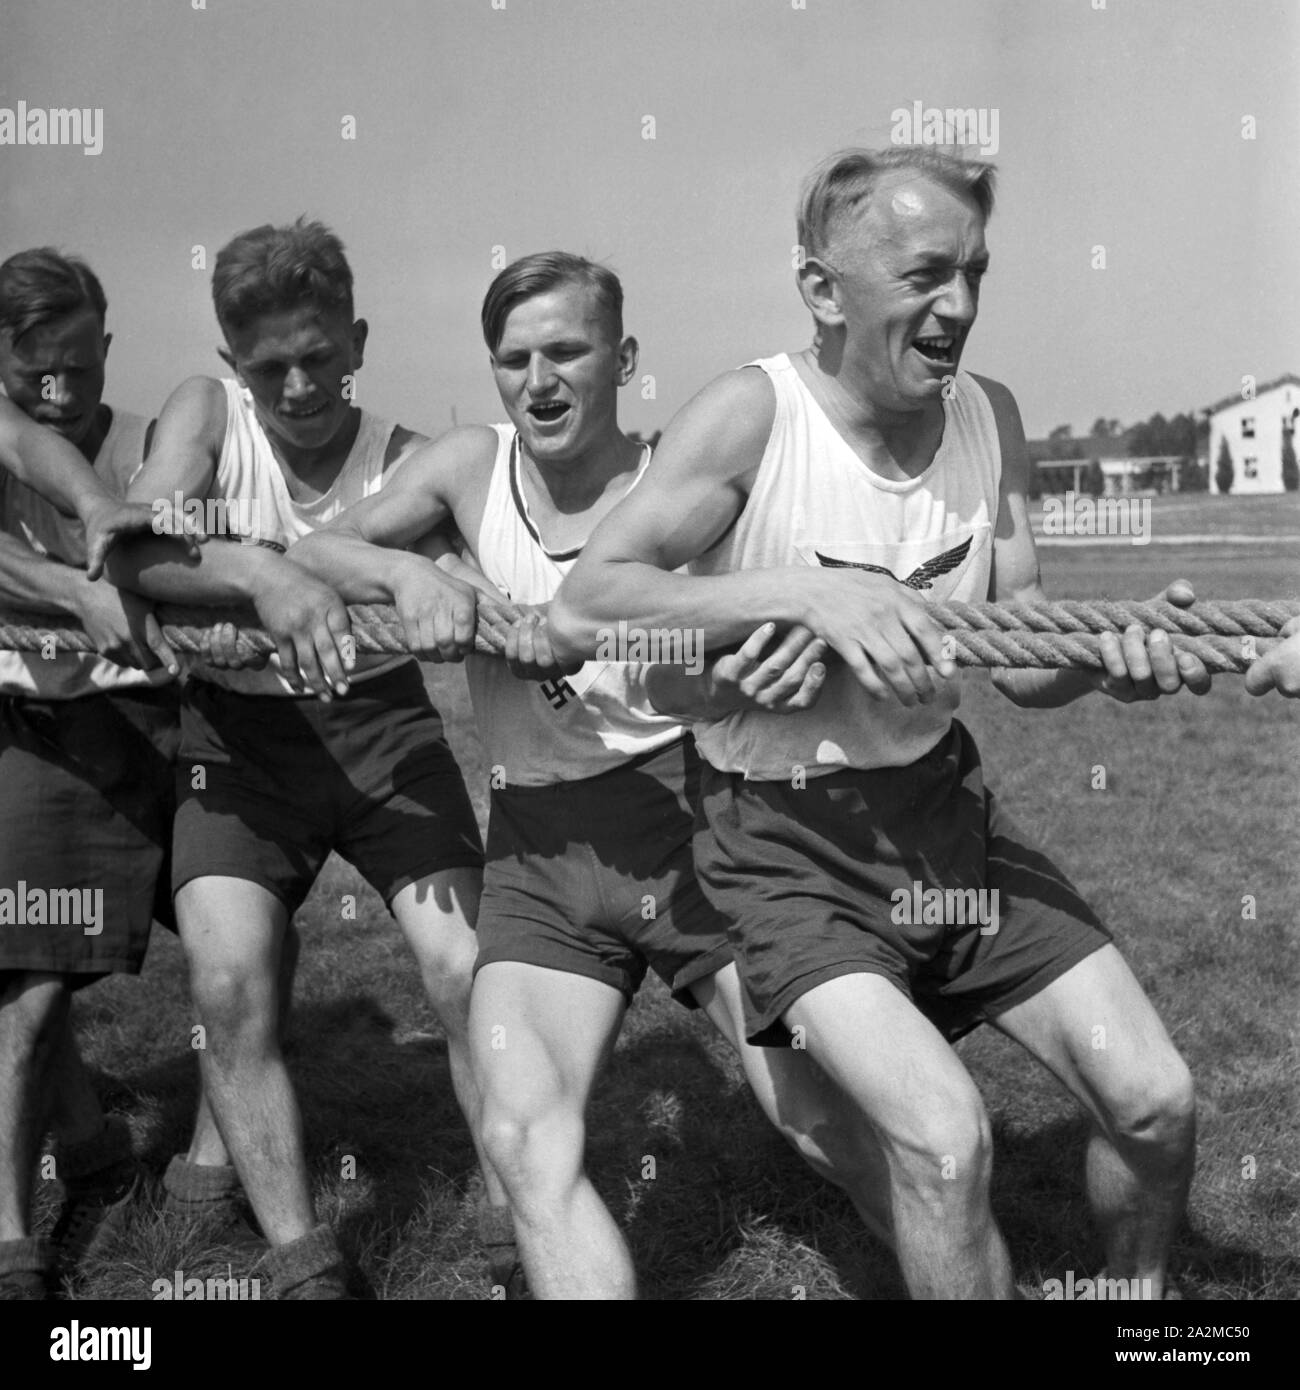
(945,1159)
(233,1003)
(533,1150)
(1157,1112)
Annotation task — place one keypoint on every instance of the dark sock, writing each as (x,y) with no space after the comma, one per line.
(313,1257)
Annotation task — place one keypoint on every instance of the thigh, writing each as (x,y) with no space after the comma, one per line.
(539,1037)
(1095,1029)
(890,1061)
(792,1090)
(437,914)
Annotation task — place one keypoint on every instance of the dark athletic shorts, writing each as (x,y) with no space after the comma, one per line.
(287,779)
(806,879)
(86,803)
(594,877)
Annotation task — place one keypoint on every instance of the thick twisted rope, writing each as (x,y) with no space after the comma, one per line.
(1226,636)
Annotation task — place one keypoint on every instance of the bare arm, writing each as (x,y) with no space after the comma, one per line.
(363,553)
(34,582)
(1139,666)
(48,464)
(186,446)
(306,618)
(779,676)
(692,492)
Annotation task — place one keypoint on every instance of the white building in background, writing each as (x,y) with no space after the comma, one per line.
(1156,473)
(1254,430)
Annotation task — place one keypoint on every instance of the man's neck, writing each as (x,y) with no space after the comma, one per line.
(893,442)
(578,484)
(318,467)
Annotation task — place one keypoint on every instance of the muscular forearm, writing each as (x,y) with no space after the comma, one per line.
(724,608)
(1042,689)
(36,583)
(226,573)
(685,695)
(458,568)
(359,571)
(47,463)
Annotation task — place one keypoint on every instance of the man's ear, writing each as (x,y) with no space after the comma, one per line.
(819,288)
(629,353)
(360,332)
(229,359)
(108,338)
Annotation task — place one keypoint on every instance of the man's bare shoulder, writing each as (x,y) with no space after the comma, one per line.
(465,446)
(209,391)
(726,426)
(198,405)
(455,462)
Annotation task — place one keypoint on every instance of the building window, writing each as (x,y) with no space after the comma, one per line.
(1251,467)
(1248,427)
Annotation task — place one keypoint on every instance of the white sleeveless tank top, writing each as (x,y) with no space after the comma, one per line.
(26,514)
(815,502)
(539,733)
(261,512)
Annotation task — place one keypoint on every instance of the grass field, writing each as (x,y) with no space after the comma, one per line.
(1202,806)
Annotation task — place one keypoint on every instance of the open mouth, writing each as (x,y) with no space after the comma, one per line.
(936,349)
(549,412)
(306,414)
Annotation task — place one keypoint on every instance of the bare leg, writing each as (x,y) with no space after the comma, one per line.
(813,1115)
(539,1038)
(436,915)
(233,931)
(33,1022)
(1095,1029)
(902,1077)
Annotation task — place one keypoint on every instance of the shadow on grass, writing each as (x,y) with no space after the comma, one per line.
(1040,1203)
(712,1202)
(372,1107)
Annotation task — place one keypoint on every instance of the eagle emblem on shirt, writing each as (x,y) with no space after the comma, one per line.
(922,577)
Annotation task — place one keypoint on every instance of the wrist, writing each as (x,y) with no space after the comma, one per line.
(69,587)
(93,506)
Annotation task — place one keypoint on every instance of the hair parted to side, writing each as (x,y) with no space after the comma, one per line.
(533,275)
(43,284)
(835,190)
(269,269)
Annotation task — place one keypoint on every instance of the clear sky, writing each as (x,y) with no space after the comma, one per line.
(521,127)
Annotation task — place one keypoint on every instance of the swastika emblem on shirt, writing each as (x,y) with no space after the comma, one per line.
(559,692)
